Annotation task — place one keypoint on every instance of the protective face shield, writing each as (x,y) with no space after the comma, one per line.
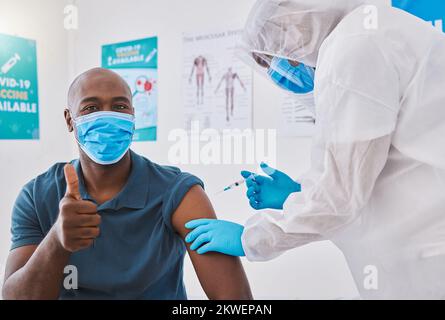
(105,136)
(298,80)
(291,30)
(295,78)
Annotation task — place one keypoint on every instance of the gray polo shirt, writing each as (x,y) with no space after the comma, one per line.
(138,254)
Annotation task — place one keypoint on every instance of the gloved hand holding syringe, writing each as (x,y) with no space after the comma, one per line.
(268,191)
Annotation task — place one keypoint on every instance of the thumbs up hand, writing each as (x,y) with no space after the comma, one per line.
(72,182)
(78,223)
(270,191)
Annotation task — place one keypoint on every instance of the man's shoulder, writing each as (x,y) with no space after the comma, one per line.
(54,173)
(165,175)
(41,195)
(156,168)
(50,179)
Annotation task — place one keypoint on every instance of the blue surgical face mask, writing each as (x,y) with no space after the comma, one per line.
(299,79)
(105,136)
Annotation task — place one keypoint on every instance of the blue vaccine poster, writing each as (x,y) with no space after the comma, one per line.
(19,101)
(137,62)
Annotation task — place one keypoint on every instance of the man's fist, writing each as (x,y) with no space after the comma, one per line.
(78,223)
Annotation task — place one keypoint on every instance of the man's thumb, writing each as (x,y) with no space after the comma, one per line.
(72,182)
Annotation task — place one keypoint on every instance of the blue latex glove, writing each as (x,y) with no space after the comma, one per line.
(269,192)
(210,235)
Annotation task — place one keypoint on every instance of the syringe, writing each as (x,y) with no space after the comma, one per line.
(237,184)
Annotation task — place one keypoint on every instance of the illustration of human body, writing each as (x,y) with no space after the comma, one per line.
(229,78)
(200,65)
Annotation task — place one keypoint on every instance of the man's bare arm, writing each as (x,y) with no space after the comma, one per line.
(35,272)
(222,277)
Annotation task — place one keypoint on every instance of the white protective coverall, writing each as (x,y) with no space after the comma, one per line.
(376,187)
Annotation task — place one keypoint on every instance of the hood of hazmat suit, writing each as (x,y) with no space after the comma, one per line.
(292,30)
(376,186)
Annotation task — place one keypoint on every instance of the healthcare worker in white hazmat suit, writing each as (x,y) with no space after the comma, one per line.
(374,76)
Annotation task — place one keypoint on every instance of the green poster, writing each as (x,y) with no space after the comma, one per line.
(137,62)
(19,100)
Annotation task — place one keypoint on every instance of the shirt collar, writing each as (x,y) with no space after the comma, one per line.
(134,194)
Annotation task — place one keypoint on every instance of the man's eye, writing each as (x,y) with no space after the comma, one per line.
(120,107)
(90,108)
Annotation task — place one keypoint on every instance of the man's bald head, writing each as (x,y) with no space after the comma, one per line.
(98,84)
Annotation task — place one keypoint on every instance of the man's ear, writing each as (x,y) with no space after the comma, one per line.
(68,120)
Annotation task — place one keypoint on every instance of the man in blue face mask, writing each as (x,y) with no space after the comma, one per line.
(112,215)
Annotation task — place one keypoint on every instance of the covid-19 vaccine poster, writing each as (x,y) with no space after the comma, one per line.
(137,62)
(19,98)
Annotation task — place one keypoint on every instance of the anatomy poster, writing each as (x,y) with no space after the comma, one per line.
(217,84)
(294,119)
(137,62)
(19,101)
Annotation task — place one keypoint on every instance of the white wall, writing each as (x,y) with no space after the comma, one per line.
(316,271)
(20,161)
